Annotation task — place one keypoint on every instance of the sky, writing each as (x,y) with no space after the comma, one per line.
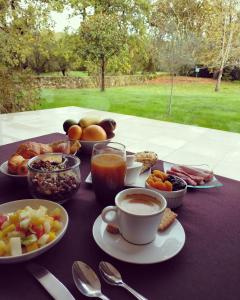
(62,20)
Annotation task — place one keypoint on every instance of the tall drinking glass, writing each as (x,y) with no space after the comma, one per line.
(108,169)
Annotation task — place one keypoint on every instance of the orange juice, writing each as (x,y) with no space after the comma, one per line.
(108,174)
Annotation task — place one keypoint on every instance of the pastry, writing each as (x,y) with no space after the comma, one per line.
(148,158)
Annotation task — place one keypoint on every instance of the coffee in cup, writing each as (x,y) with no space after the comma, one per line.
(137,213)
(140,204)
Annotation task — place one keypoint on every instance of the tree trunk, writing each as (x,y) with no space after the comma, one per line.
(171,96)
(102,74)
(63,72)
(217,87)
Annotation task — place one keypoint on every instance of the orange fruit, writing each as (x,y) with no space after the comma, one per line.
(75,132)
(94,133)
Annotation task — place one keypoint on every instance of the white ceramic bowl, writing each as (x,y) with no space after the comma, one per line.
(18,178)
(87,146)
(12,206)
(174,198)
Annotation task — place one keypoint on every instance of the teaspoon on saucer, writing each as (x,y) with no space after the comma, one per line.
(87,281)
(112,276)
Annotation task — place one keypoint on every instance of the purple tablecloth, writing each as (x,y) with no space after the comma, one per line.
(208,267)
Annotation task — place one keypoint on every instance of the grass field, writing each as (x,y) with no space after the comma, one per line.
(194,103)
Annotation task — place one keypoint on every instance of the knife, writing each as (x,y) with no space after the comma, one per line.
(54,287)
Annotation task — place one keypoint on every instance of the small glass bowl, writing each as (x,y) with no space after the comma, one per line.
(54,176)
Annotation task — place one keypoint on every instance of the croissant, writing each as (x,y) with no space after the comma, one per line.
(45,148)
(29,149)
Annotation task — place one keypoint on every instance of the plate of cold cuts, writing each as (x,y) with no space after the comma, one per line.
(199,177)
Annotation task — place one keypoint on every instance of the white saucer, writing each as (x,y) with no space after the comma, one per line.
(139,182)
(166,245)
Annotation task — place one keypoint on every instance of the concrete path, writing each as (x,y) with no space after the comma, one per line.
(172,142)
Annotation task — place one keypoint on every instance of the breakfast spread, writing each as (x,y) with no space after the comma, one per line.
(193,176)
(90,128)
(17,163)
(147,158)
(28,229)
(164,182)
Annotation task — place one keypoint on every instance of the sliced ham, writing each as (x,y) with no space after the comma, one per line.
(184,177)
(207,175)
(198,179)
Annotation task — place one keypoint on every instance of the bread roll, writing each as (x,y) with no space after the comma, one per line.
(14,162)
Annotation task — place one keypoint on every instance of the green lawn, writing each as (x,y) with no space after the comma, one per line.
(193,103)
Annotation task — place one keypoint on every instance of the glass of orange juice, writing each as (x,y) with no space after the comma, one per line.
(108,169)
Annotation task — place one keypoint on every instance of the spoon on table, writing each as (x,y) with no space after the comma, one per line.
(87,281)
(112,276)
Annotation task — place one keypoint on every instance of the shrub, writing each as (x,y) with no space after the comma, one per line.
(18,92)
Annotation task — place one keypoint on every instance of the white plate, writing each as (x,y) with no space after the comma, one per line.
(166,245)
(4,170)
(140,181)
(211,184)
(34,203)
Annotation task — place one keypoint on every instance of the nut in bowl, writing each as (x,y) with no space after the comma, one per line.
(173,188)
(54,176)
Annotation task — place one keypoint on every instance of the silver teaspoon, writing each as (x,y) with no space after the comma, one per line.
(111,275)
(87,281)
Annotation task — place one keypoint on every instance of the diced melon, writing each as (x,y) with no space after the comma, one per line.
(52,236)
(47,226)
(30,239)
(25,223)
(3,248)
(56,226)
(31,247)
(43,239)
(56,213)
(15,246)
(14,218)
(8,229)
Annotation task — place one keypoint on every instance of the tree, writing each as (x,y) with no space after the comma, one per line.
(223,32)
(102,37)
(18,21)
(106,28)
(64,55)
(176,34)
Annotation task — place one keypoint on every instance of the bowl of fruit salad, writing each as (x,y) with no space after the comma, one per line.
(30,227)
(173,188)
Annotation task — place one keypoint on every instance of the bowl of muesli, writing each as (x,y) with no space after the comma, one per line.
(54,176)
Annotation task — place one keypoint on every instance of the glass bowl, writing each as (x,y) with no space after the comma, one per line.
(54,176)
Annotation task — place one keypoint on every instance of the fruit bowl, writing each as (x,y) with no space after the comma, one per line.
(13,206)
(87,146)
(174,198)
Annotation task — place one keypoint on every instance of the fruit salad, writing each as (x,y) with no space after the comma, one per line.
(28,229)
(164,182)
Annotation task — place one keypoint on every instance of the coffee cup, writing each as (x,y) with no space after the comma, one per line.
(137,213)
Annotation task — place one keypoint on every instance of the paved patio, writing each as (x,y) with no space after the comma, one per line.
(171,141)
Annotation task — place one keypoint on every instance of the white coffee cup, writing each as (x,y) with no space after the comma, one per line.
(138,213)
